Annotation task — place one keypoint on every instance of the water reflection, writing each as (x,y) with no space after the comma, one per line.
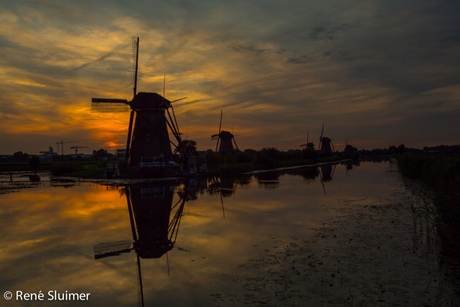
(154,221)
(183,244)
(270,180)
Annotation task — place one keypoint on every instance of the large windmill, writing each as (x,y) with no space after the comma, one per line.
(148,143)
(325,144)
(225,139)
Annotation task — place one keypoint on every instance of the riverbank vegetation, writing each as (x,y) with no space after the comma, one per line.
(267,158)
(440,172)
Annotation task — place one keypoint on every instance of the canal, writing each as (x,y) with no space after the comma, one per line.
(332,235)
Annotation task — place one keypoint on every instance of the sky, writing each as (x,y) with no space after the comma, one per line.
(376,72)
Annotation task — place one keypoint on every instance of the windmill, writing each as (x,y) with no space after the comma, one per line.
(349,151)
(308,144)
(225,139)
(325,144)
(148,143)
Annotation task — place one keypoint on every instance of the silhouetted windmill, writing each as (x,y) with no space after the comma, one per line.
(325,144)
(148,143)
(308,145)
(225,139)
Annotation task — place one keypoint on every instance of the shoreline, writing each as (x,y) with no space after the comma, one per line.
(372,252)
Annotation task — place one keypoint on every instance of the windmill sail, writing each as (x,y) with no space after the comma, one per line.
(108,105)
(148,144)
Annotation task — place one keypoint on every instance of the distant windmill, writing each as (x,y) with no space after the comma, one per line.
(225,139)
(325,144)
(308,145)
(150,118)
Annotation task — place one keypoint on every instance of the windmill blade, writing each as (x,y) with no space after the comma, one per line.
(222,203)
(140,286)
(218,134)
(322,180)
(322,130)
(108,249)
(303,145)
(214,136)
(135,62)
(220,123)
(130,131)
(109,100)
(234,142)
(109,106)
(178,99)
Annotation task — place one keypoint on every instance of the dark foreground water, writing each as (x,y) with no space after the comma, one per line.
(322,236)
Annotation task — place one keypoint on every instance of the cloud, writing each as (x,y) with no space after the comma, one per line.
(277,68)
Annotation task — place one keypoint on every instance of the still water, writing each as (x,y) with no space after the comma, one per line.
(219,241)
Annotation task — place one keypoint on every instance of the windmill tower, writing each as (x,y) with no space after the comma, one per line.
(225,139)
(325,144)
(148,142)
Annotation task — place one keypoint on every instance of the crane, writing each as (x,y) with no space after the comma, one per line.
(78,147)
(62,146)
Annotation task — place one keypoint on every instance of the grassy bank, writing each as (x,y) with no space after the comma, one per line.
(441,174)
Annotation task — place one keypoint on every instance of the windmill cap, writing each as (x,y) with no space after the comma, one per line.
(144,100)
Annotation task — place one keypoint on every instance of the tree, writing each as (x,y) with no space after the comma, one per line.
(19,156)
(188,146)
(101,154)
(401,149)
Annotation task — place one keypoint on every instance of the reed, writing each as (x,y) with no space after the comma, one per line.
(441,174)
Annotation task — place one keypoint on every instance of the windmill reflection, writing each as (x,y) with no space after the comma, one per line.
(324,172)
(225,186)
(154,231)
(310,173)
(150,209)
(327,172)
(222,186)
(155,222)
